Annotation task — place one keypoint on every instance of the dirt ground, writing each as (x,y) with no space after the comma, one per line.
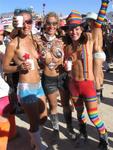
(22,141)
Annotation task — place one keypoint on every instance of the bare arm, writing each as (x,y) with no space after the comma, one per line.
(97,60)
(97,31)
(9,55)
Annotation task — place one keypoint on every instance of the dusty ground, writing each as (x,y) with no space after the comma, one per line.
(64,143)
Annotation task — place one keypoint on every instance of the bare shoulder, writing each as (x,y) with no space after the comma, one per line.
(97,32)
(13,42)
(12,45)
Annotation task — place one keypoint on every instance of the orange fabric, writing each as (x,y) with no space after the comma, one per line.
(4,133)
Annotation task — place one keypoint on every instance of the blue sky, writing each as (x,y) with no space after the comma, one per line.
(59,6)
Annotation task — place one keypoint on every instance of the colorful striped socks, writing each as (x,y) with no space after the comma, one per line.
(93,115)
(102,13)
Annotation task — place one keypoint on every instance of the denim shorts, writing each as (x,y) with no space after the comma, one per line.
(52,84)
(29,92)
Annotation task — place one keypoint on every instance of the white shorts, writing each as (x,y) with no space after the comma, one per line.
(99,55)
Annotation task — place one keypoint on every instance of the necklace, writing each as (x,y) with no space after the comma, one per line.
(49,38)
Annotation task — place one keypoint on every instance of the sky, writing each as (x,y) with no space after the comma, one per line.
(63,7)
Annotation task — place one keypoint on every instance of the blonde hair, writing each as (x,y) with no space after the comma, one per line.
(51,14)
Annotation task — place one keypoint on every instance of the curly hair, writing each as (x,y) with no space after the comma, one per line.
(51,14)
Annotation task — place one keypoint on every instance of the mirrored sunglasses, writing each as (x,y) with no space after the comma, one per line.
(51,23)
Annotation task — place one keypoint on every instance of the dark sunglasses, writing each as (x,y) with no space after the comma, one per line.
(51,23)
(28,21)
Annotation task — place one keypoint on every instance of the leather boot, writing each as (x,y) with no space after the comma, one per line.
(104,144)
(54,121)
(68,119)
(36,141)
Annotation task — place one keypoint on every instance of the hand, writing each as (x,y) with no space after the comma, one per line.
(107,1)
(25,66)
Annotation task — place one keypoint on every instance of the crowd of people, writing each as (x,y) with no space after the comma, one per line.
(59,60)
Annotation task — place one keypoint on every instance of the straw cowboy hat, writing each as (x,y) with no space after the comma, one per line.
(91,15)
(9,28)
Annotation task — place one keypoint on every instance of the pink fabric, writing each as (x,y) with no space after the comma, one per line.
(4,105)
(1,27)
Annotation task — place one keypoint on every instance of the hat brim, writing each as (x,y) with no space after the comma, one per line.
(88,18)
(71,26)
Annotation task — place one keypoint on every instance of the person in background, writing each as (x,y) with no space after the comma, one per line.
(30,92)
(99,56)
(7,32)
(4,101)
(2,44)
(39,25)
(7,120)
(81,82)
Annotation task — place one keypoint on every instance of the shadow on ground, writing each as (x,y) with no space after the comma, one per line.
(108,101)
(55,142)
(21,141)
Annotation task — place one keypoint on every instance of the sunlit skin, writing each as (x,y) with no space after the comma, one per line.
(98,44)
(51,26)
(51,29)
(75,33)
(26,27)
(26,45)
(26,74)
(75,51)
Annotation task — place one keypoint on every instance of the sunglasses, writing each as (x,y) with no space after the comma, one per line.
(51,23)
(28,21)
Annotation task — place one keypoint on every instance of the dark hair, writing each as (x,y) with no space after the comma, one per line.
(21,11)
(83,39)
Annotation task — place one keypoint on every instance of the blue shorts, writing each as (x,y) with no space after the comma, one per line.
(29,92)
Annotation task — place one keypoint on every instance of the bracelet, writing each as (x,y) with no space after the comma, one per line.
(19,67)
